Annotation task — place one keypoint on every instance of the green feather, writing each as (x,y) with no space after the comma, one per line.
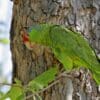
(69,47)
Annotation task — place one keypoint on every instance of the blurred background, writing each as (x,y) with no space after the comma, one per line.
(5,54)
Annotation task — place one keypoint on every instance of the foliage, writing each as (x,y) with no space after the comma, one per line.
(13,94)
(43,80)
(1,94)
(4,41)
(17,91)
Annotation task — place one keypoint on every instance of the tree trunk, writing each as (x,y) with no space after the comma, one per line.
(80,15)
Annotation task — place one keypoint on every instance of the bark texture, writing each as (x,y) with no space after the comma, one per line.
(80,15)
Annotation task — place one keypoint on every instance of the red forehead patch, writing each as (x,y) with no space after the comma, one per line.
(25,38)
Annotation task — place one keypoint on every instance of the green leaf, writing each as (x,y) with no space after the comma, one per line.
(13,94)
(1,94)
(43,80)
(16,92)
(21,97)
(4,41)
(17,81)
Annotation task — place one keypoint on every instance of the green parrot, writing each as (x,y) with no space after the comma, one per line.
(70,48)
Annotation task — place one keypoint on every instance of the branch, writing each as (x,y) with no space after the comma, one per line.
(63,74)
(8,84)
(44,89)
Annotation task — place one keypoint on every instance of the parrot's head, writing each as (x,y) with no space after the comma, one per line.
(37,33)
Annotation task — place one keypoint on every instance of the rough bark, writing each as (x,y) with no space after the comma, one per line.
(81,15)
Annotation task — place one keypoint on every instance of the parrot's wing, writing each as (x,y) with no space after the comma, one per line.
(75,47)
(63,58)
